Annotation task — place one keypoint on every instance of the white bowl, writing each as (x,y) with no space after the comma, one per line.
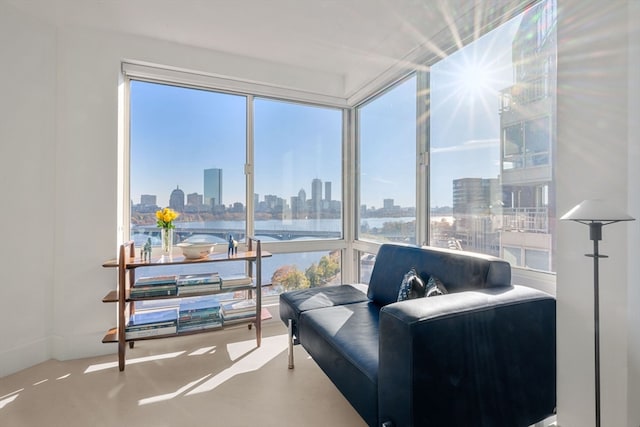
(196,250)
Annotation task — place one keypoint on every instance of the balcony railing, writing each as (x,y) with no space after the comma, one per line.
(531,220)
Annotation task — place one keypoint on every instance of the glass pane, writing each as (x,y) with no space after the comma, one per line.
(366,266)
(188,153)
(298,171)
(287,272)
(387,138)
(491,135)
(537,141)
(538,260)
(513,255)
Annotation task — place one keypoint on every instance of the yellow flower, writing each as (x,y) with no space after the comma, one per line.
(165,217)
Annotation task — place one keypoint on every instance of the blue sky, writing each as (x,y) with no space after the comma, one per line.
(176,133)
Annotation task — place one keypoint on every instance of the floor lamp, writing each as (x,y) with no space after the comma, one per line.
(596,214)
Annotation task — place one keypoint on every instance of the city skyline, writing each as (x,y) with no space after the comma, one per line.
(176,133)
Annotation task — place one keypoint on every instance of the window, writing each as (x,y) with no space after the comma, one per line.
(187,151)
(298,171)
(195,149)
(491,138)
(387,148)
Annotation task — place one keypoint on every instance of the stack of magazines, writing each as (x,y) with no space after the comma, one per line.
(237,310)
(238,280)
(154,286)
(150,323)
(198,313)
(189,284)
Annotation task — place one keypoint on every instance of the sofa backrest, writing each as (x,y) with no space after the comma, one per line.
(458,270)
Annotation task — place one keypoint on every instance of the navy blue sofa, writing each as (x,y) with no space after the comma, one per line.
(484,354)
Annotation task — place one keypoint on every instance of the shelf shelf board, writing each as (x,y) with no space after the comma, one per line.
(111,336)
(136,262)
(112,296)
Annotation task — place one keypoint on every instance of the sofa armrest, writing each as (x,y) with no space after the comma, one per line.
(485,357)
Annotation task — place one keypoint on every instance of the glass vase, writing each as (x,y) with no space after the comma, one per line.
(167,241)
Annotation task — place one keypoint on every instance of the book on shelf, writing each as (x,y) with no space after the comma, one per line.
(212,314)
(170,279)
(199,326)
(153,291)
(244,317)
(198,279)
(153,317)
(151,331)
(196,289)
(238,306)
(235,280)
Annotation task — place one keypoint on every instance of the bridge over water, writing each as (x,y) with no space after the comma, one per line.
(222,235)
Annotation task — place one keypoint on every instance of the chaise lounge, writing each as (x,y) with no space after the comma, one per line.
(481,354)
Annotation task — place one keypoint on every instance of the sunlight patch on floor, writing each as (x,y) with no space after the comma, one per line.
(167,396)
(256,357)
(109,365)
(203,350)
(8,398)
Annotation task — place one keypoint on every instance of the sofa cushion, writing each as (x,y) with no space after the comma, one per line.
(412,286)
(295,302)
(435,287)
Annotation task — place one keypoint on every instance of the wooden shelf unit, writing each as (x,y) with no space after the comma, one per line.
(126,265)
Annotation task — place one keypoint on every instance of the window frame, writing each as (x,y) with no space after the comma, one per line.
(193,80)
(349,244)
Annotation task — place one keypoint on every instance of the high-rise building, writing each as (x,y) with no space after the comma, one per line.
(474,209)
(176,200)
(527,124)
(213,187)
(148,200)
(327,191)
(316,195)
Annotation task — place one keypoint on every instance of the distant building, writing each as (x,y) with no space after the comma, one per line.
(194,199)
(176,200)
(476,205)
(148,200)
(327,191)
(213,187)
(316,195)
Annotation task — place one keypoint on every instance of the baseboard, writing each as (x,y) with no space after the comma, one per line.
(24,356)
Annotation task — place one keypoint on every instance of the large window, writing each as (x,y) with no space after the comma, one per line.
(201,152)
(298,171)
(491,140)
(187,152)
(458,153)
(387,148)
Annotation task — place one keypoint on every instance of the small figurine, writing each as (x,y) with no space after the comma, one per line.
(146,251)
(233,246)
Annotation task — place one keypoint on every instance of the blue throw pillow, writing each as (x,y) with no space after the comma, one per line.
(412,286)
(435,287)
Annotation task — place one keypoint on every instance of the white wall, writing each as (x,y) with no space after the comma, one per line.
(27,174)
(593,159)
(58,164)
(633,303)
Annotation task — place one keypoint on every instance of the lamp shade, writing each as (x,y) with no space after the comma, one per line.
(597,211)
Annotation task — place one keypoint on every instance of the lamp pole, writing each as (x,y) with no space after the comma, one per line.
(596,214)
(595,234)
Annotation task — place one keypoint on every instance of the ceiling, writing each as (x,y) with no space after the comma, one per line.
(358,39)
